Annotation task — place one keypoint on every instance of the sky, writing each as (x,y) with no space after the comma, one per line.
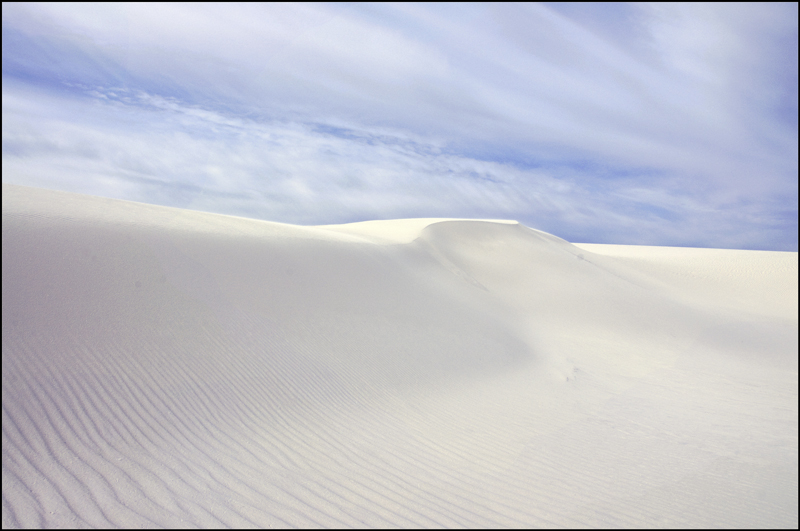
(650,124)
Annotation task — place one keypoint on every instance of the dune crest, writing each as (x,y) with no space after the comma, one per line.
(166,368)
(396,230)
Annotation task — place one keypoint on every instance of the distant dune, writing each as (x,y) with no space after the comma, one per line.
(172,368)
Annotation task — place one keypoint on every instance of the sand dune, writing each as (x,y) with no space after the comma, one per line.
(164,367)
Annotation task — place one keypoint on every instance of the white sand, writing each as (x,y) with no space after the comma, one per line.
(164,367)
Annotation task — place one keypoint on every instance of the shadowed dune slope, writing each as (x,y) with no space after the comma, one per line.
(164,367)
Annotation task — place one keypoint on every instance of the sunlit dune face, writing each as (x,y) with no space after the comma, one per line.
(165,367)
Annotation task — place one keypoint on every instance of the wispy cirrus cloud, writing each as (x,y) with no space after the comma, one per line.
(659,124)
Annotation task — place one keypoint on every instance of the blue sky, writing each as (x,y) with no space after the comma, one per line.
(654,124)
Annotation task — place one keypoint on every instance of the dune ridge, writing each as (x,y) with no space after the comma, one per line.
(164,367)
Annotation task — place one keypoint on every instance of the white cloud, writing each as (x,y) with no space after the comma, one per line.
(595,120)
